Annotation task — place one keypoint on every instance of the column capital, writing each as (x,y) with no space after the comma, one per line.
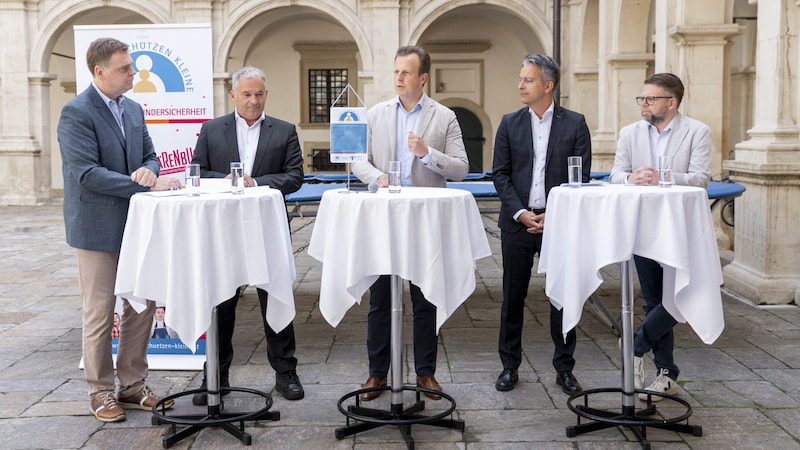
(705,33)
(635,60)
(41,77)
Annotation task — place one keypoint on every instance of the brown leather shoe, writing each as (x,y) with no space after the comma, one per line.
(372,382)
(429,383)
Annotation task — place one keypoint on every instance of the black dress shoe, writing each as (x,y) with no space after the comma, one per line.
(569,384)
(507,380)
(201,398)
(288,384)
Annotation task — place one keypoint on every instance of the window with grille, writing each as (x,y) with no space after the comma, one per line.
(321,161)
(324,85)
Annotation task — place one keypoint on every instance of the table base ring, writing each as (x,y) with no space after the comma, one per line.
(636,421)
(403,418)
(193,423)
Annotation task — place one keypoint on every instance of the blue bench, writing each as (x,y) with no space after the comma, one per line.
(311,193)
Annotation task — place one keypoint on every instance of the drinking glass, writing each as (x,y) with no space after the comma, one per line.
(192,180)
(575,170)
(664,173)
(237,178)
(394,177)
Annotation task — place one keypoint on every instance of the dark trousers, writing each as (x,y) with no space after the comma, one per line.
(379,327)
(518,252)
(280,346)
(655,333)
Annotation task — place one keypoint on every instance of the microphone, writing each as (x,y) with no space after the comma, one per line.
(373,187)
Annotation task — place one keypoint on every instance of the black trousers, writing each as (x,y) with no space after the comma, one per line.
(280,346)
(518,252)
(379,327)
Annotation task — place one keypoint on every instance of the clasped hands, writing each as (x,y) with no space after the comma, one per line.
(644,175)
(534,223)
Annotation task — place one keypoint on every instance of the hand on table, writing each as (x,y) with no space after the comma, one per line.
(248,180)
(165,184)
(144,177)
(644,175)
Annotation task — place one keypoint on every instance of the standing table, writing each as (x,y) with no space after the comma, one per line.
(192,253)
(593,226)
(429,236)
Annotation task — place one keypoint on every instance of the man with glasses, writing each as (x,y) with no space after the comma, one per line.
(685,145)
(530,157)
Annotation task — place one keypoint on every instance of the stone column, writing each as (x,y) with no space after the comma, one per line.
(382,21)
(40,114)
(701,39)
(20,153)
(622,69)
(192,11)
(766,266)
(222,87)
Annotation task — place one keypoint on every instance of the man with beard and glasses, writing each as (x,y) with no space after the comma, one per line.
(686,145)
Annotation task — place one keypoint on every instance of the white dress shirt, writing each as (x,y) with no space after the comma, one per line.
(247,140)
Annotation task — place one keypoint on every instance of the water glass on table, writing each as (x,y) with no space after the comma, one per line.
(192,180)
(664,173)
(394,177)
(575,170)
(237,178)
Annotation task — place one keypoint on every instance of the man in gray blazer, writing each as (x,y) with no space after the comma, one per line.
(107,157)
(425,136)
(686,145)
(270,152)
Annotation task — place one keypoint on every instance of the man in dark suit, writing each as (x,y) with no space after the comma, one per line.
(530,157)
(425,136)
(271,155)
(107,157)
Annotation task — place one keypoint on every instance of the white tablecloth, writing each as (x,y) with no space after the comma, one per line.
(591,227)
(192,253)
(429,236)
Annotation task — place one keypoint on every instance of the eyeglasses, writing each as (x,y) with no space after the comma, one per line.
(649,100)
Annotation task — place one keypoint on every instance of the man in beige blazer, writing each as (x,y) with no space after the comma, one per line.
(426,138)
(686,145)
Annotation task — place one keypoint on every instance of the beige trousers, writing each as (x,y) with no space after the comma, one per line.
(97,273)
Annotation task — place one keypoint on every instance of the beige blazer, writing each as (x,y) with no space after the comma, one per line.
(688,151)
(439,129)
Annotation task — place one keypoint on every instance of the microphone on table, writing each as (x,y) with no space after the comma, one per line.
(373,187)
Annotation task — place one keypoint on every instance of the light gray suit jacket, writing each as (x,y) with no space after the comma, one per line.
(688,151)
(438,127)
(97,161)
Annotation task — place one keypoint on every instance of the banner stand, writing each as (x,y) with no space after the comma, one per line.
(348,132)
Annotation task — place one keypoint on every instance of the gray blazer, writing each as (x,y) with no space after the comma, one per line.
(438,127)
(97,162)
(688,151)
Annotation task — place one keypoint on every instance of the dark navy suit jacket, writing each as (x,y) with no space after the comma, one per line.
(512,168)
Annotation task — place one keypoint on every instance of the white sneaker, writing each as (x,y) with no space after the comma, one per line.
(662,385)
(638,372)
